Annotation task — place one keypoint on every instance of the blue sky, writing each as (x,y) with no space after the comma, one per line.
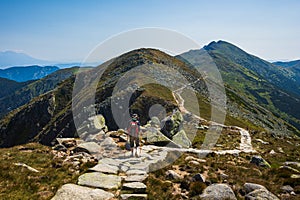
(67,30)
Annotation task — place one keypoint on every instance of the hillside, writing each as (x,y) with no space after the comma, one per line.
(279,76)
(21,74)
(50,115)
(288,64)
(252,87)
(32,89)
(293,66)
(9,86)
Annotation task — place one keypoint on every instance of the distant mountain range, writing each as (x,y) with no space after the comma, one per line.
(11,58)
(261,96)
(21,74)
(289,64)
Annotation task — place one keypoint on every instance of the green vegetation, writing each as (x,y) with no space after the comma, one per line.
(30,90)
(238,169)
(20,183)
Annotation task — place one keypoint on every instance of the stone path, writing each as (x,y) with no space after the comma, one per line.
(120,176)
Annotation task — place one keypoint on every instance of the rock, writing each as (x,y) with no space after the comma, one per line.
(26,166)
(296,164)
(261,141)
(67,141)
(105,168)
(108,142)
(261,194)
(155,122)
(100,180)
(134,196)
(181,139)
(224,176)
(193,162)
(287,188)
(72,191)
(60,147)
(135,172)
(272,152)
(171,174)
(171,125)
(190,158)
(99,123)
(136,178)
(135,187)
(296,176)
(89,147)
(154,136)
(290,168)
(199,177)
(280,150)
(259,161)
(219,192)
(249,187)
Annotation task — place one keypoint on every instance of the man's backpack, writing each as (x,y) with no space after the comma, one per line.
(133,129)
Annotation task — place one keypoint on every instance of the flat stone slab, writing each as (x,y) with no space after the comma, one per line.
(110,161)
(144,166)
(135,172)
(136,178)
(133,196)
(72,191)
(100,180)
(135,187)
(105,168)
(91,147)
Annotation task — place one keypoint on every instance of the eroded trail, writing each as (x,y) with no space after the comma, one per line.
(245,145)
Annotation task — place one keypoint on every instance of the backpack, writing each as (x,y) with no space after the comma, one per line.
(133,129)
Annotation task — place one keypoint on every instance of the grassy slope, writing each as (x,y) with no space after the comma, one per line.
(19,183)
(239,169)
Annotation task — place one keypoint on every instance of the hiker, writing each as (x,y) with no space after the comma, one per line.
(133,130)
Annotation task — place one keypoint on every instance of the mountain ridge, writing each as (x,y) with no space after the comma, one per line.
(246,106)
(27,73)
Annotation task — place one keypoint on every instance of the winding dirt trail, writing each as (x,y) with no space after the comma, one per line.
(245,145)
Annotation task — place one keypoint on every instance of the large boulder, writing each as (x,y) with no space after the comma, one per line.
(259,161)
(218,191)
(99,123)
(181,139)
(88,147)
(261,194)
(249,187)
(154,136)
(171,125)
(72,191)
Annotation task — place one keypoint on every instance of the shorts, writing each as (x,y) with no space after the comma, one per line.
(135,140)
